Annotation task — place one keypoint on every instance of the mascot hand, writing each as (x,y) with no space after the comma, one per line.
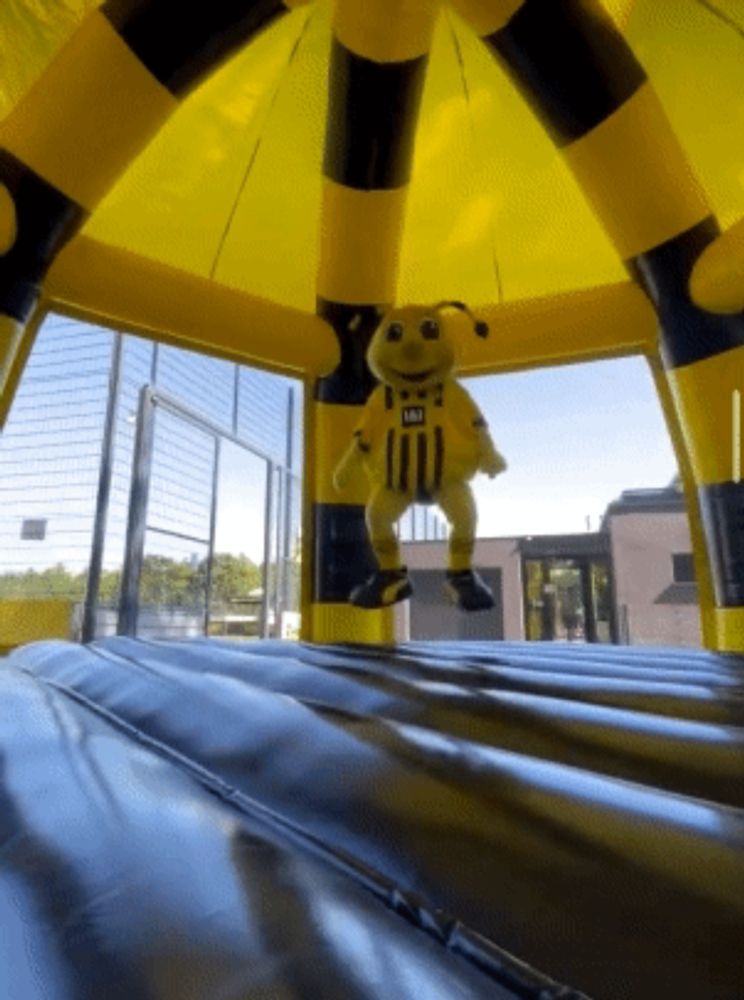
(493,464)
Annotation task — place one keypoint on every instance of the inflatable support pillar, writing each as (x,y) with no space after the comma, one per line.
(378,64)
(593,97)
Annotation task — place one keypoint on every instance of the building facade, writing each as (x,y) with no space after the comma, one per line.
(630,582)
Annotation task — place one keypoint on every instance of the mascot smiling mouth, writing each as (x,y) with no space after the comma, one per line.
(415,376)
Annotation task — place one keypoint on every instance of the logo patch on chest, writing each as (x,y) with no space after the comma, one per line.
(413,416)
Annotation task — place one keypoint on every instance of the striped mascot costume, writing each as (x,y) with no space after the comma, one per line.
(421,439)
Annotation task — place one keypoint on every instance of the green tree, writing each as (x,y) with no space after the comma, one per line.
(54,581)
(170,583)
(233,577)
(164,581)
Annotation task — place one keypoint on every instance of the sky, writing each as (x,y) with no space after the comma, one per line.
(574,437)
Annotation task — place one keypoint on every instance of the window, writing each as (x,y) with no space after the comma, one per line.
(683,570)
(34,530)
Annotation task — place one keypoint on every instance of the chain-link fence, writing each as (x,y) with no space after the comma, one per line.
(50,454)
(220,546)
(216,548)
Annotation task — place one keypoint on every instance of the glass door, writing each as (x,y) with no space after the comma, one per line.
(568,600)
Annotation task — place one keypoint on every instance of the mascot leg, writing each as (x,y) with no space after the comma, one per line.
(465,585)
(390,583)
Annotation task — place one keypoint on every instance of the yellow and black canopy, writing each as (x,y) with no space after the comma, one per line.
(248,177)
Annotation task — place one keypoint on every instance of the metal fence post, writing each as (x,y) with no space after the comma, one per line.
(103,496)
(267,549)
(236,400)
(279,560)
(134,548)
(212,531)
(286,554)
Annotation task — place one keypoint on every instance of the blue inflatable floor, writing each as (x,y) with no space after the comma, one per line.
(211,820)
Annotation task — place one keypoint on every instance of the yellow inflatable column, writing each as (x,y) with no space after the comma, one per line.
(99,102)
(378,64)
(592,95)
(717,281)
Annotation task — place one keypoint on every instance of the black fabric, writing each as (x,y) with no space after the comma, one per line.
(46,219)
(722,511)
(372,111)
(182,43)
(352,381)
(382,823)
(422,492)
(389,444)
(405,456)
(343,554)
(569,62)
(438,456)
(688,333)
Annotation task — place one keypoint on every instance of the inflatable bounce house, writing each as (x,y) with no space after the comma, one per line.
(346,817)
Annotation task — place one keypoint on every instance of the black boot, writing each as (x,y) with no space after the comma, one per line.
(468,590)
(383,588)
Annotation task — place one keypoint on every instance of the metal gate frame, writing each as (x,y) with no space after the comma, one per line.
(151,398)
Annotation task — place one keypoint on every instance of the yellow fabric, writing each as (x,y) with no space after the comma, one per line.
(717,282)
(600,322)
(230,189)
(382,430)
(15,347)
(487,16)
(384,510)
(386,30)
(729,630)
(31,33)
(188,311)
(345,623)
(226,199)
(632,169)
(704,393)
(458,506)
(8,229)
(94,109)
(360,240)
(333,426)
(30,620)
(702,565)
(456,502)
(10,336)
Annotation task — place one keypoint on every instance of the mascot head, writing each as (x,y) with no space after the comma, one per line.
(414,346)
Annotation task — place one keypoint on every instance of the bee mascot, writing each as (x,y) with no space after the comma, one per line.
(421,439)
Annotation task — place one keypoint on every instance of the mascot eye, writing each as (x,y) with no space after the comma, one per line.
(394,332)
(429,329)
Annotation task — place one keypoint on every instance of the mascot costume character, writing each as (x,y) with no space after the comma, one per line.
(420,440)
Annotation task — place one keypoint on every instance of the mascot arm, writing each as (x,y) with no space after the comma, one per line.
(351,464)
(352,461)
(492,462)
(471,420)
